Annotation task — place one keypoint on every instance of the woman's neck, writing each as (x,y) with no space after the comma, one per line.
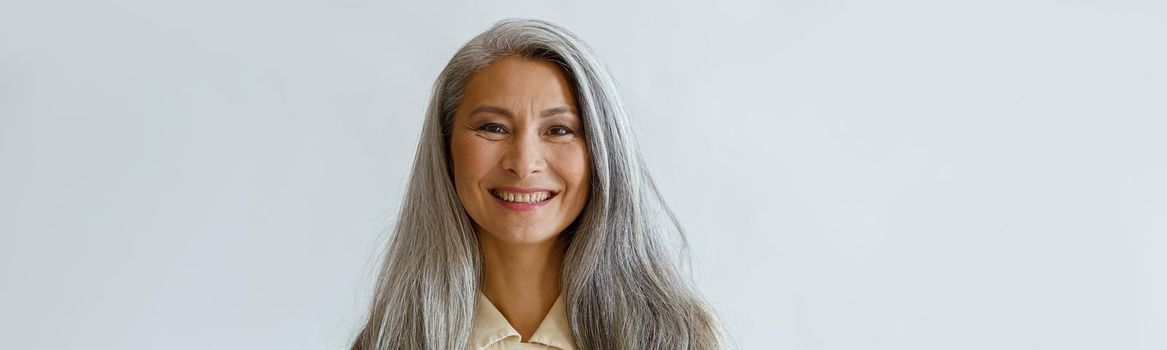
(522,280)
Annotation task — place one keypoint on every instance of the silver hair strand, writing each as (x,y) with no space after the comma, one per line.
(622,278)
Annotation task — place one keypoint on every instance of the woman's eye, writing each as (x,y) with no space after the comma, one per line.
(493,128)
(560,131)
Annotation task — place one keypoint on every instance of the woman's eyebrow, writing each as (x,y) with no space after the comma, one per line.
(492,109)
(558,110)
(505,112)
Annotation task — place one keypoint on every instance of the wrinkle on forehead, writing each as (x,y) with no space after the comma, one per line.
(521,85)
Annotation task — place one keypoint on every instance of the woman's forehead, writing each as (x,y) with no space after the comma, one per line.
(519,83)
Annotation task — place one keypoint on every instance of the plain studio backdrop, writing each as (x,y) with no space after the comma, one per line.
(851,174)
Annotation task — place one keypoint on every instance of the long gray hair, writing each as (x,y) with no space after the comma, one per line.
(621,276)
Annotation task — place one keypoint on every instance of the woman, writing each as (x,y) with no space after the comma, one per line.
(530,220)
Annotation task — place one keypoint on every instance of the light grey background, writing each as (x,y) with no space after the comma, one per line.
(852,174)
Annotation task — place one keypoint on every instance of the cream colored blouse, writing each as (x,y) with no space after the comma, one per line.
(492,331)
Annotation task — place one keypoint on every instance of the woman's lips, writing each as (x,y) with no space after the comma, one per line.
(522,199)
(522,190)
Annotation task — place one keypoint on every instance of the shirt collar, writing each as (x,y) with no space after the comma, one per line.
(490,326)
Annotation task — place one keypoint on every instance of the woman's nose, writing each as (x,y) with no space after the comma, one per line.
(525,155)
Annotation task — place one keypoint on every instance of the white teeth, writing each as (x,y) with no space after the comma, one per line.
(523,197)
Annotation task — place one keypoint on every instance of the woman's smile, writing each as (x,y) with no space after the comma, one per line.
(520,199)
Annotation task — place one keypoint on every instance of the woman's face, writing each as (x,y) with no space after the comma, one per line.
(520,162)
